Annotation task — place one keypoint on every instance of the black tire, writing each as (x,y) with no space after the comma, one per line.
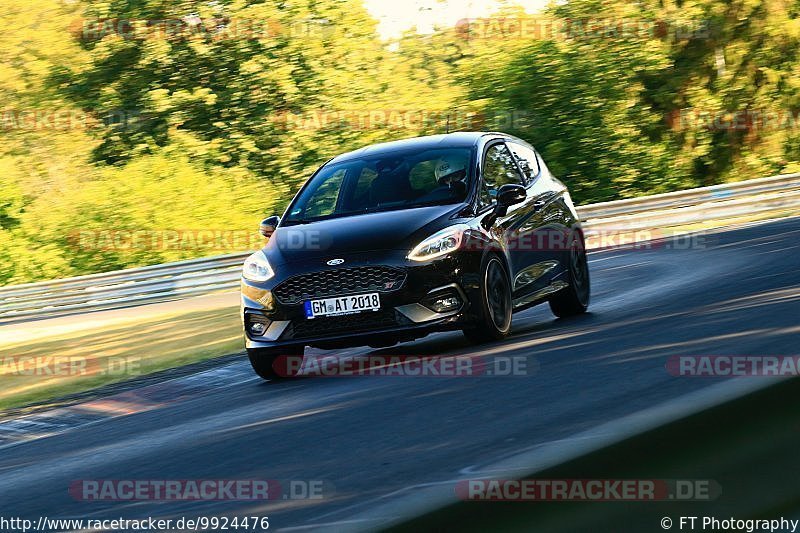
(263,361)
(574,299)
(495,306)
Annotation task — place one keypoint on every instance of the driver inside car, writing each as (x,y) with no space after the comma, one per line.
(451,172)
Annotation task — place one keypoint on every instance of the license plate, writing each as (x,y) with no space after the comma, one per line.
(343,305)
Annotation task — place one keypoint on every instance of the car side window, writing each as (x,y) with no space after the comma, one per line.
(498,170)
(527,160)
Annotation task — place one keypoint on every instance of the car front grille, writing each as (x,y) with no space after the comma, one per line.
(339,282)
(355,323)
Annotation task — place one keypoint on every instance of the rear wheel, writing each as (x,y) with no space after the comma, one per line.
(574,299)
(276,363)
(495,304)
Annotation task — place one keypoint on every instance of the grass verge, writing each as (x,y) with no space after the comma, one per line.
(35,371)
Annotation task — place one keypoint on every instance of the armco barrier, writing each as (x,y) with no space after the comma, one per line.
(171,281)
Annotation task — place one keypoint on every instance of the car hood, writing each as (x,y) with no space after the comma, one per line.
(388,230)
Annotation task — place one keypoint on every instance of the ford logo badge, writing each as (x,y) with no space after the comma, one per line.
(334,262)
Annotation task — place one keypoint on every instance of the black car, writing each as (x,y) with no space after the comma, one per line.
(393,241)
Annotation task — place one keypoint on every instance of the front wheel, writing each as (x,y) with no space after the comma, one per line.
(276,363)
(495,304)
(574,299)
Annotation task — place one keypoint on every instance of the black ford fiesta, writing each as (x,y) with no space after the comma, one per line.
(393,241)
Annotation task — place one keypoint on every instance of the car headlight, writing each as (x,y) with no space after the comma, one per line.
(440,243)
(257,268)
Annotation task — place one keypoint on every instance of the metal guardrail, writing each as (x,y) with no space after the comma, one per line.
(691,197)
(121,288)
(172,281)
(779,194)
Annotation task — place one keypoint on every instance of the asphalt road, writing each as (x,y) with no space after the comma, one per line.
(734,293)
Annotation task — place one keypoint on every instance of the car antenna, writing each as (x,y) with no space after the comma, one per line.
(447,126)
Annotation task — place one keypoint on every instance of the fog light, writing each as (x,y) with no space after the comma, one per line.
(443,302)
(258,329)
(257,325)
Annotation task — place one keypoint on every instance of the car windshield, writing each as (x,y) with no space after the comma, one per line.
(382,182)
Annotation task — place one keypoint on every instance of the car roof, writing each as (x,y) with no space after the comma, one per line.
(460,139)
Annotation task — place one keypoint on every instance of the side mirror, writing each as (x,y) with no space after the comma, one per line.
(508,195)
(268,226)
(511,194)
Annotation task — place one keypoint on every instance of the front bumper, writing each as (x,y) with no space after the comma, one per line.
(402,316)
